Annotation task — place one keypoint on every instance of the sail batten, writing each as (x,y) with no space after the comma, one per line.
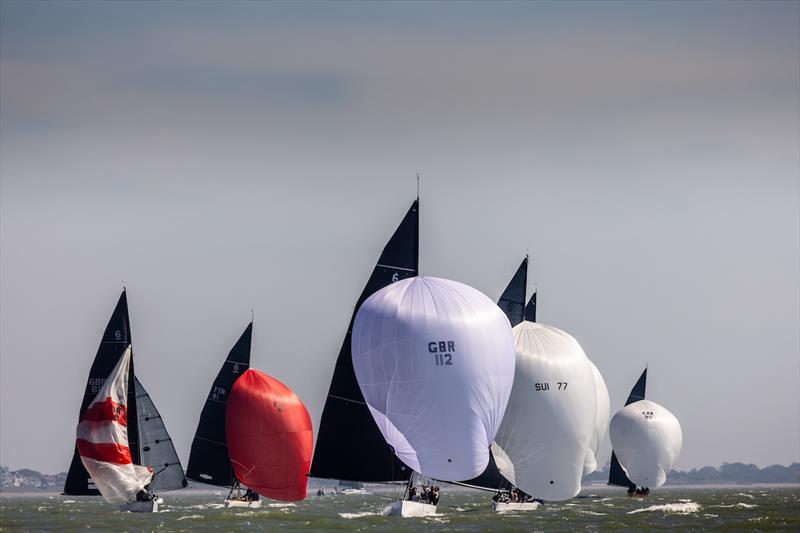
(349,444)
(209,461)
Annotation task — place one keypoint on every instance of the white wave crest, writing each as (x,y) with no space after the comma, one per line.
(679,508)
(191,517)
(357,515)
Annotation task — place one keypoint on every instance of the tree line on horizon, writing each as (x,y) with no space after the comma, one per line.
(726,473)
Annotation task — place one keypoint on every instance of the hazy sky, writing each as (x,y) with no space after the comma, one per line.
(222,158)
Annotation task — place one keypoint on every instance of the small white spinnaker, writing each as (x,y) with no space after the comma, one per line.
(647,439)
(102,439)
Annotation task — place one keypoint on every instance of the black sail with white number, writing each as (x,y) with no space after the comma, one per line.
(209,461)
(349,444)
(115,340)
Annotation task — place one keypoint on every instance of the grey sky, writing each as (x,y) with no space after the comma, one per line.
(258,155)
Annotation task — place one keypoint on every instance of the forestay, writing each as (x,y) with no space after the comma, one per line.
(434,359)
(647,439)
(542,443)
(102,439)
(602,413)
(269,437)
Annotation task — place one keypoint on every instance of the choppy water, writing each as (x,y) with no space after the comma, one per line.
(603,509)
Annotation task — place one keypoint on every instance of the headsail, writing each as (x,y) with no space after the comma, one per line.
(512,301)
(434,359)
(116,339)
(530,309)
(269,437)
(209,461)
(616,474)
(349,444)
(157,449)
(102,439)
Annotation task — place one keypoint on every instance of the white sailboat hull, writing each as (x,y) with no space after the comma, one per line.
(514,506)
(141,507)
(241,503)
(409,509)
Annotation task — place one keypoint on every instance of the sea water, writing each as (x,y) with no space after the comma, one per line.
(600,509)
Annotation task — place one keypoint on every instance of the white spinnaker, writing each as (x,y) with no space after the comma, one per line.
(647,439)
(602,413)
(434,359)
(102,439)
(543,440)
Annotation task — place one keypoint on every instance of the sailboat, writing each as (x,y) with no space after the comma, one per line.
(434,359)
(209,461)
(252,430)
(350,446)
(147,438)
(552,419)
(646,440)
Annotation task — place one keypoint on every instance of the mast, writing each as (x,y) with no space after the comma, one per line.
(115,340)
(209,461)
(349,444)
(616,475)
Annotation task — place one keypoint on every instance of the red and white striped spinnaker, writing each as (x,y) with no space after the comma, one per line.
(102,438)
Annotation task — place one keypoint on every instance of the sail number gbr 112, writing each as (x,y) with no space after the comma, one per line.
(442,352)
(562,385)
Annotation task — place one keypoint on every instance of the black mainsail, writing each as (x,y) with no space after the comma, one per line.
(512,301)
(155,445)
(209,461)
(616,475)
(349,444)
(115,340)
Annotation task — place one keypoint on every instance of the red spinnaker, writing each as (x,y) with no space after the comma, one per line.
(269,437)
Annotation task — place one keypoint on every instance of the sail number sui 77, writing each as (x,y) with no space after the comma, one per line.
(442,352)
(562,385)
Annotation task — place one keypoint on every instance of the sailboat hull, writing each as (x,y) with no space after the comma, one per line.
(241,503)
(141,507)
(514,506)
(409,509)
